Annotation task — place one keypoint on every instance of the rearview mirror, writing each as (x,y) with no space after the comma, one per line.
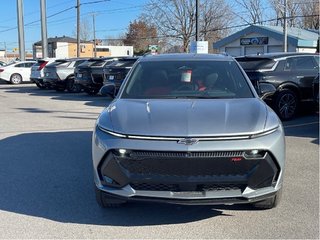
(108,90)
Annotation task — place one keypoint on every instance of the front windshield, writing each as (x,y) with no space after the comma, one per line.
(186,79)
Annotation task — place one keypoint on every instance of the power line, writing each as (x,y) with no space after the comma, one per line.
(215,29)
(55,14)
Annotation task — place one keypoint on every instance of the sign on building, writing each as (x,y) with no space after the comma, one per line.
(254,41)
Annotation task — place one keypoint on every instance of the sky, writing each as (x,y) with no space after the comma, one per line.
(112,18)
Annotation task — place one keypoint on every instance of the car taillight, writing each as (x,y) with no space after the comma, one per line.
(1,70)
(42,65)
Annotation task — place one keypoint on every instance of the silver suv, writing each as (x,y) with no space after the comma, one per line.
(59,75)
(187,129)
(37,71)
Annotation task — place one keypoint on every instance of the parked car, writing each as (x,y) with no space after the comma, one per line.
(37,71)
(116,71)
(89,75)
(16,72)
(60,74)
(2,63)
(291,74)
(315,87)
(187,129)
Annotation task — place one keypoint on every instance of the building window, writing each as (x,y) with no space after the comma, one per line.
(83,48)
(102,49)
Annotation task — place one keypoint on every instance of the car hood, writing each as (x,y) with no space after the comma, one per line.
(186,117)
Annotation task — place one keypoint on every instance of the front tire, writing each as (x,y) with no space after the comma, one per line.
(15,78)
(71,86)
(106,201)
(286,104)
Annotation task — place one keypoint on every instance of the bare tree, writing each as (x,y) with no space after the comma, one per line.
(253,10)
(176,19)
(293,11)
(86,32)
(310,10)
(216,15)
(173,18)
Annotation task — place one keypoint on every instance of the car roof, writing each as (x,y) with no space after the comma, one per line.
(184,57)
(70,59)
(26,61)
(275,55)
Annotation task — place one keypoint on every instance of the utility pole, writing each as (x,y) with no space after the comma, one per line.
(285,32)
(197,20)
(44,29)
(78,28)
(21,30)
(94,34)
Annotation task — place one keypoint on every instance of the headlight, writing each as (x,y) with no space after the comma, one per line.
(264,133)
(111,132)
(255,153)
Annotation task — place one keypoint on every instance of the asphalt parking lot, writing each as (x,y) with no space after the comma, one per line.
(47,187)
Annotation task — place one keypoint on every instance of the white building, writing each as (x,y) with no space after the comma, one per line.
(66,47)
(115,51)
(267,39)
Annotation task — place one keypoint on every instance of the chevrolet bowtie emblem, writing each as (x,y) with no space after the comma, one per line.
(188,141)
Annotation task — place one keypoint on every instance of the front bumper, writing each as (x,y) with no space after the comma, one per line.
(215,200)
(53,82)
(210,179)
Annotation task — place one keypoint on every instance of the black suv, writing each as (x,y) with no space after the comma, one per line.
(116,71)
(292,74)
(90,74)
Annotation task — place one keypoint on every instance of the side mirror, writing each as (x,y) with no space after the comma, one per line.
(108,90)
(266,90)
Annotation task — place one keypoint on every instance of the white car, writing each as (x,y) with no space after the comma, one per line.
(37,71)
(16,72)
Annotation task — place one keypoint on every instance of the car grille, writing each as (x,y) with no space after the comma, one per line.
(176,164)
(178,188)
(143,154)
(188,171)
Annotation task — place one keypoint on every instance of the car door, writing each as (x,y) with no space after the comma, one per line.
(20,68)
(26,70)
(303,71)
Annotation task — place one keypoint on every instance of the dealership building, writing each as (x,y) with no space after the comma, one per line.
(257,39)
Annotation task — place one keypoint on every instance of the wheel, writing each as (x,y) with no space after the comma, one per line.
(71,87)
(106,201)
(40,85)
(286,104)
(15,78)
(269,202)
(91,91)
